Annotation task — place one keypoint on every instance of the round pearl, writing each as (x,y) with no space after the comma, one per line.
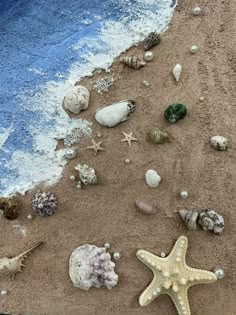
(116,256)
(146,83)
(107,245)
(78,186)
(163,254)
(72,177)
(196,10)
(219,272)
(148,56)
(201,99)
(127,161)
(194,49)
(4,292)
(184,194)
(30,216)
(70,153)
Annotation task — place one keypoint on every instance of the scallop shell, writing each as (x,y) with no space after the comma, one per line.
(157,135)
(152,178)
(133,62)
(190,218)
(177,72)
(145,207)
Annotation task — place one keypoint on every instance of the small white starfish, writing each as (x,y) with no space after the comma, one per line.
(96,147)
(128,137)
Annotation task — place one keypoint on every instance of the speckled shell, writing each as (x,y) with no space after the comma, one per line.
(152,178)
(76,99)
(219,143)
(145,207)
(87,174)
(175,112)
(151,40)
(190,218)
(210,220)
(177,72)
(157,135)
(133,62)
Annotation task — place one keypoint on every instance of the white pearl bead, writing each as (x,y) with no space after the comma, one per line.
(201,99)
(4,292)
(127,161)
(72,177)
(79,186)
(70,153)
(30,216)
(194,49)
(219,272)
(148,56)
(107,245)
(196,10)
(163,254)
(184,194)
(116,256)
(146,83)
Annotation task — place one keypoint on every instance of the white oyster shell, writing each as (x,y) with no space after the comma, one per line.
(87,174)
(91,266)
(112,115)
(152,178)
(76,99)
(219,143)
(177,72)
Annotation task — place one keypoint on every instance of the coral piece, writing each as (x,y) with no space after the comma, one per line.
(76,99)
(175,112)
(44,203)
(145,207)
(103,85)
(128,137)
(96,147)
(190,218)
(73,137)
(87,174)
(112,115)
(151,40)
(91,266)
(14,265)
(157,135)
(133,62)
(9,207)
(152,178)
(177,72)
(172,276)
(210,220)
(219,143)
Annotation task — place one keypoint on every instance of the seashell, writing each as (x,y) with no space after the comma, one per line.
(175,112)
(152,178)
(76,99)
(9,207)
(14,265)
(112,115)
(219,143)
(44,203)
(151,40)
(209,219)
(177,72)
(145,207)
(87,174)
(133,62)
(157,135)
(91,266)
(190,218)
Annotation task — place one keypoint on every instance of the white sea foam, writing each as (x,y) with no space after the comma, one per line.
(4,134)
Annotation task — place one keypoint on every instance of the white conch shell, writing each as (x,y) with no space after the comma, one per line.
(112,115)
(76,99)
(133,62)
(13,265)
(87,174)
(152,178)
(177,72)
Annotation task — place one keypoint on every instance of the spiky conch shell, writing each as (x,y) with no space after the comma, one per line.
(177,72)
(190,218)
(152,178)
(151,40)
(133,62)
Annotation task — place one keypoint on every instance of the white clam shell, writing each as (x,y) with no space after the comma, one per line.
(152,178)
(177,72)
(76,99)
(112,115)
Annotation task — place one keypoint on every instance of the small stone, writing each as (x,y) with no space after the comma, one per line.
(219,143)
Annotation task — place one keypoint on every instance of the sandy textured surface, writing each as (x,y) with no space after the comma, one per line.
(105,213)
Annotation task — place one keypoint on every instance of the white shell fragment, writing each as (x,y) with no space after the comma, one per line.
(152,178)
(219,143)
(177,72)
(76,99)
(210,220)
(87,174)
(112,115)
(91,266)
(133,62)
(190,218)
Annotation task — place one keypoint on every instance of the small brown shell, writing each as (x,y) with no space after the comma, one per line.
(9,207)
(133,62)
(145,207)
(157,135)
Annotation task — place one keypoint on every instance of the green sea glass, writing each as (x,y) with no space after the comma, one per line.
(175,112)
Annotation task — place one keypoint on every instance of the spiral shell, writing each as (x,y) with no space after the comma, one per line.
(177,72)
(152,178)
(157,135)
(210,220)
(145,207)
(190,218)
(133,62)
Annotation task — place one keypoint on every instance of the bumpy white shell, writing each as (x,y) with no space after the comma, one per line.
(76,99)
(219,143)
(177,72)
(152,178)
(91,266)
(87,174)
(112,115)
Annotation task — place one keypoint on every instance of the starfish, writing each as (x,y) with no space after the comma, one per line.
(96,147)
(172,276)
(129,137)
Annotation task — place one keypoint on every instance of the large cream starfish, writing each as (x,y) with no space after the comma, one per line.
(96,147)
(172,276)
(128,137)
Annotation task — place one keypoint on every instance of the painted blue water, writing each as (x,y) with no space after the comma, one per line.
(36,46)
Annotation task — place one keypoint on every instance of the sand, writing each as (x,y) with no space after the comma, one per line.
(106,212)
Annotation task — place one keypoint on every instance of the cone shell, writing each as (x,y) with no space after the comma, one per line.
(190,218)
(145,207)
(177,72)
(151,40)
(152,178)
(157,135)
(133,62)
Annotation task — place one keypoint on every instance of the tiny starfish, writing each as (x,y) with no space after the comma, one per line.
(172,276)
(128,137)
(96,147)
